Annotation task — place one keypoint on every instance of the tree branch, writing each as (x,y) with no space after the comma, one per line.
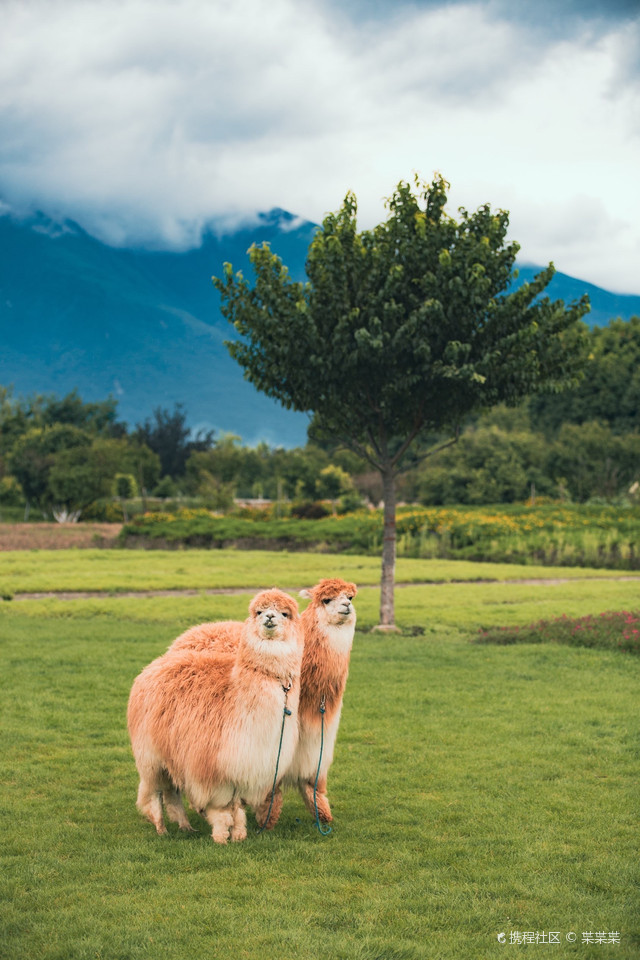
(443,446)
(395,460)
(374,443)
(360,450)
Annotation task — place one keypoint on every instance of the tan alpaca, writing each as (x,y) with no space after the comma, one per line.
(207,722)
(223,634)
(329,624)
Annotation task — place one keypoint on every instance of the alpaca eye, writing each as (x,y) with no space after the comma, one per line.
(258,613)
(284,614)
(327,600)
(349,599)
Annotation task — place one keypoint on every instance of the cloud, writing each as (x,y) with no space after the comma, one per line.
(145,119)
(579,229)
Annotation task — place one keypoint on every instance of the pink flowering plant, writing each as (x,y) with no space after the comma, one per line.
(614,630)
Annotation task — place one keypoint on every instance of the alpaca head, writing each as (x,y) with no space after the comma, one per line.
(332,602)
(271,614)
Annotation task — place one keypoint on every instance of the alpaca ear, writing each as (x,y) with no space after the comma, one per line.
(306,594)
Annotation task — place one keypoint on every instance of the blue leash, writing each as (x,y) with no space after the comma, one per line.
(285,713)
(326,832)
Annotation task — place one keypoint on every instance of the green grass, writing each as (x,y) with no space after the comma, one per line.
(477,789)
(124,570)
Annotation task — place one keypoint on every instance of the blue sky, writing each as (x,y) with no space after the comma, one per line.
(146,119)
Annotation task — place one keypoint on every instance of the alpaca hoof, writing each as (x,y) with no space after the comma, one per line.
(265,825)
(316,803)
(267,818)
(323,809)
(187,828)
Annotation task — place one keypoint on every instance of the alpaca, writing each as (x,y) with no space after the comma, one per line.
(224,635)
(328,625)
(208,722)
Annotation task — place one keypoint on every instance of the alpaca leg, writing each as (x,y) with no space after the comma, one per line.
(150,803)
(220,819)
(321,800)
(263,809)
(175,808)
(239,828)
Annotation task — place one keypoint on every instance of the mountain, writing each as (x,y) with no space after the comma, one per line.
(605,306)
(145,326)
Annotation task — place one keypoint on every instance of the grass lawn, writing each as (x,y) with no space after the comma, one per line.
(123,570)
(477,789)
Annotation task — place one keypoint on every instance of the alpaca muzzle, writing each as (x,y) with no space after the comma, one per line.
(269,626)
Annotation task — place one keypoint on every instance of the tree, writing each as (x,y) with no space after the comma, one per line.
(168,435)
(332,483)
(68,468)
(400,331)
(75,481)
(124,487)
(609,391)
(34,455)
(97,418)
(14,419)
(17,415)
(592,461)
(493,462)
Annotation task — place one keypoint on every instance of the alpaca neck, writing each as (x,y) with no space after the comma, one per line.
(274,658)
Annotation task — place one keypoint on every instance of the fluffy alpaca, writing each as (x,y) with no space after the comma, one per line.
(224,635)
(207,722)
(329,625)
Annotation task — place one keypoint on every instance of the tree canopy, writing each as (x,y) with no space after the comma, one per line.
(610,389)
(169,436)
(400,330)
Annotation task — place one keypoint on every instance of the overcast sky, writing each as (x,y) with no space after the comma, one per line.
(145,119)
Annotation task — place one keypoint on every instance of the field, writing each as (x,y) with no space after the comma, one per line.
(56,536)
(478,789)
(580,535)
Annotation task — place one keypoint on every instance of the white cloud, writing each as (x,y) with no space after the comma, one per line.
(145,118)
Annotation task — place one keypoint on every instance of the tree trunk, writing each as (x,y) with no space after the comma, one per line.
(143,492)
(387,609)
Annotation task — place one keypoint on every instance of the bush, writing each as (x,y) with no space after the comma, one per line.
(550,534)
(10,492)
(350,502)
(309,510)
(105,511)
(614,631)
(166,488)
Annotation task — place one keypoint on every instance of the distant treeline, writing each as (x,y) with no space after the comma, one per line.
(67,458)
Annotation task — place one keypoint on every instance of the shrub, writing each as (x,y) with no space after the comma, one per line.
(618,630)
(550,534)
(309,510)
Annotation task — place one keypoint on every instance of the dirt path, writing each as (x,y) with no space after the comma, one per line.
(229,591)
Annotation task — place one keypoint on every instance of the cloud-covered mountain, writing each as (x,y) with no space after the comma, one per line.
(145,119)
(145,326)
